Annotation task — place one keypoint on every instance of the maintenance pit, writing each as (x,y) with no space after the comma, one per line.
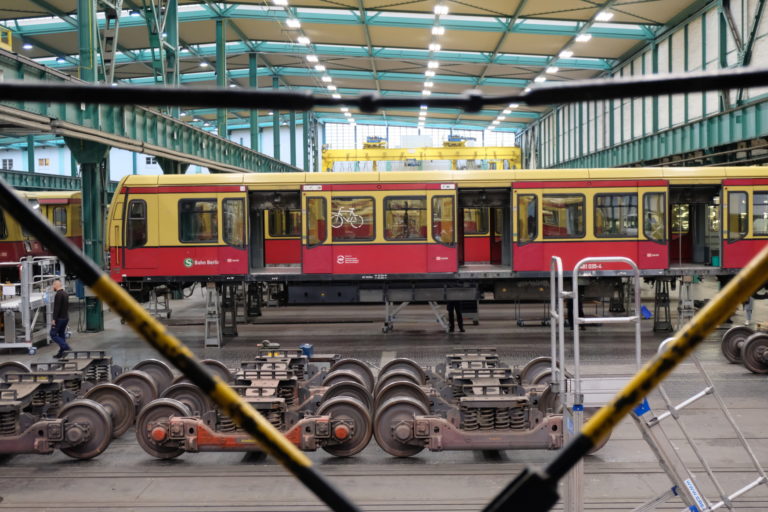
(621,476)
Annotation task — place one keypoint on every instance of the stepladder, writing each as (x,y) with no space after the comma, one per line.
(578,393)
(701,489)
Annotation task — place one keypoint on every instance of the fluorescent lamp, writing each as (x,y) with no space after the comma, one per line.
(281,3)
(27,46)
(426,92)
(336,96)
(441,10)
(326,78)
(438,30)
(331,87)
(552,69)
(433,64)
(429,84)
(320,68)
(604,16)
(540,79)
(312,58)
(434,47)
(514,105)
(429,73)
(303,40)
(583,38)
(566,54)
(506,111)
(203,64)
(293,23)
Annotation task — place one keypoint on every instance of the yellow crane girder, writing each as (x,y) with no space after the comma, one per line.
(501,158)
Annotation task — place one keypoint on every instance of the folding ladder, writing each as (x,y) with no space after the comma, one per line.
(684,482)
(578,392)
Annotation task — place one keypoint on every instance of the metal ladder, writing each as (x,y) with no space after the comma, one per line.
(683,479)
(578,392)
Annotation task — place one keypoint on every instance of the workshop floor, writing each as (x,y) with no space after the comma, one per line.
(621,476)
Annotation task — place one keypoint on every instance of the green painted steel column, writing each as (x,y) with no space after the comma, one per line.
(292,122)
(135,161)
(73,164)
(276,124)
(91,157)
(172,166)
(31,153)
(305,130)
(221,73)
(253,83)
(171,40)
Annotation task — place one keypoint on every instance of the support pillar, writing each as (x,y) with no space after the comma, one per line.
(305,129)
(253,83)
(275,124)
(221,73)
(172,166)
(292,118)
(171,46)
(73,165)
(30,153)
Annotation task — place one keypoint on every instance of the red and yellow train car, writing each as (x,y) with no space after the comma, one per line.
(452,225)
(62,209)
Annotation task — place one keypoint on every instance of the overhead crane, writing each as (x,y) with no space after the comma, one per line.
(492,158)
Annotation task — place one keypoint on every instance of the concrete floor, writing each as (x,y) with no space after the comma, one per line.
(619,477)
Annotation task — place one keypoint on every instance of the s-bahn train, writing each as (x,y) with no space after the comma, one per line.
(62,209)
(331,237)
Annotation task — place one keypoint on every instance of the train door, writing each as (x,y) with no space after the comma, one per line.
(316,249)
(695,225)
(738,239)
(442,246)
(527,254)
(274,220)
(485,227)
(138,212)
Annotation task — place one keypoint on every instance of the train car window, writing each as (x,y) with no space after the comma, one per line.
(317,221)
(616,215)
(737,216)
(680,219)
(498,220)
(654,216)
(527,216)
(35,204)
(405,218)
(136,228)
(284,223)
(60,219)
(563,215)
(475,221)
(198,221)
(760,214)
(233,217)
(352,218)
(3,226)
(443,222)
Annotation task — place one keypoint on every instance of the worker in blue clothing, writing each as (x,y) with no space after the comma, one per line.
(60,318)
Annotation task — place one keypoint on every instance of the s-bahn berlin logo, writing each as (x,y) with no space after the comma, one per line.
(188,262)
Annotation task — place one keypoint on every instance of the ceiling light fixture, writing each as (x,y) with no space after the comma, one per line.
(506,111)
(303,40)
(331,87)
(27,46)
(320,68)
(61,60)
(540,79)
(434,47)
(426,92)
(566,54)
(515,105)
(281,3)
(433,64)
(429,84)
(293,23)
(429,73)
(336,96)
(312,58)
(527,89)
(604,16)
(501,118)
(347,114)
(583,38)
(423,107)
(441,10)
(326,78)
(438,30)
(552,69)
(204,64)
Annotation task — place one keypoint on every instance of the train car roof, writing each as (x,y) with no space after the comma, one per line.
(481,178)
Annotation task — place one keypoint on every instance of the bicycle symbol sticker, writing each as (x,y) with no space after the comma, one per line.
(346,216)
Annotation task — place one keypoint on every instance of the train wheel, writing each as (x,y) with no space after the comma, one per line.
(350,389)
(401,388)
(118,402)
(403,364)
(359,367)
(141,385)
(190,395)
(754,353)
(218,368)
(158,370)
(733,340)
(550,401)
(395,376)
(88,429)
(12,367)
(179,379)
(352,425)
(153,424)
(390,426)
(337,376)
(534,368)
